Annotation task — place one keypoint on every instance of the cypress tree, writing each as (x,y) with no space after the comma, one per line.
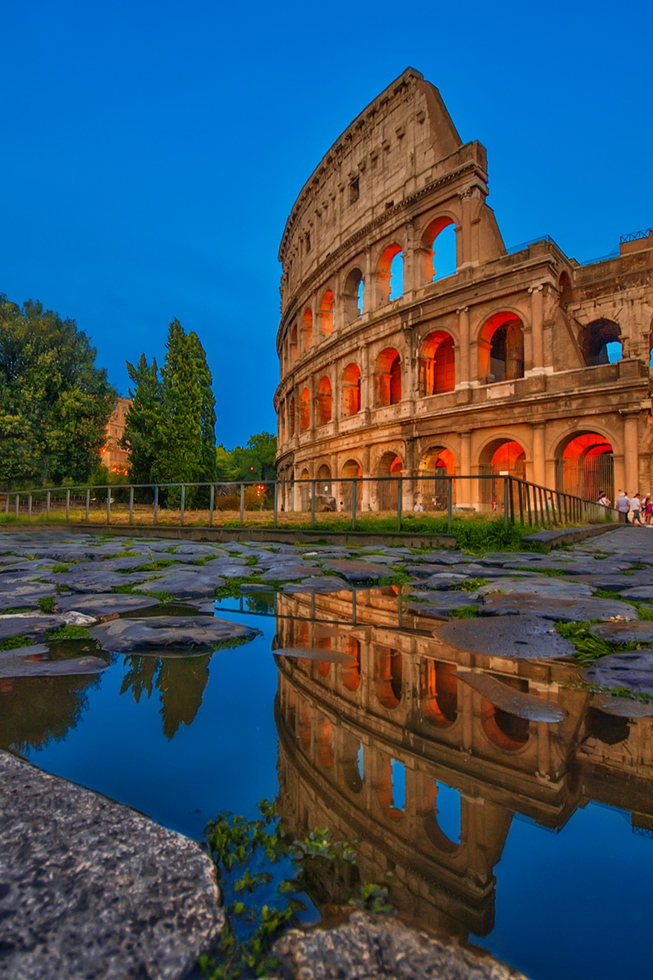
(143,435)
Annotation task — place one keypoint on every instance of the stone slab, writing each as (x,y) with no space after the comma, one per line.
(643,592)
(97,581)
(542,585)
(104,603)
(558,609)
(315,653)
(28,625)
(91,888)
(522,637)
(26,595)
(357,572)
(622,707)
(514,702)
(381,948)
(619,632)
(159,632)
(183,584)
(326,584)
(32,661)
(633,670)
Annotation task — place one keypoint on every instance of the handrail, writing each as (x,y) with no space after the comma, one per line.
(520,501)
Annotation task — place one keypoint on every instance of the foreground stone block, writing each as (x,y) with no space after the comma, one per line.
(632,670)
(561,610)
(154,632)
(523,637)
(93,889)
(379,948)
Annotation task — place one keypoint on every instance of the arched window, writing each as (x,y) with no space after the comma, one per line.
(502,457)
(501,348)
(585,466)
(307,329)
(293,343)
(439,693)
(352,295)
(351,672)
(304,410)
(389,673)
(351,471)
(438,248)
(600,342)
(388,375)
(390,786)
(323,486)
(437,364)
(327,313)
(390,274)
(351,390)
(323,407)
(505,730)
(389,469)
(432,491)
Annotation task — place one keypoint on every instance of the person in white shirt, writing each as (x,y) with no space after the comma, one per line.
(635,509)
(622,504)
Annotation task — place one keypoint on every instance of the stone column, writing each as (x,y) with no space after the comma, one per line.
(536,360)
(464,489)
(539,460)
(411,260)
(408,393)
(368,283)
(365,492)
(367,383)
(631,454)
(464,378)
(408,488)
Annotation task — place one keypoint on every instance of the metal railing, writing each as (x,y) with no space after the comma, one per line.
(635,236)
(406,500)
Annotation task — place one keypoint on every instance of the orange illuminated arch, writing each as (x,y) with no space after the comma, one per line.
(506,731)
(388,377)
(291,416)
(437,364)
(351,390)
(304,410)
(439,693)
(585,466)
(384,271)
(323,399)
(327,313)
(307,329)
(389,673)
(293,343)
(351,673)
(501,348)
(325,743)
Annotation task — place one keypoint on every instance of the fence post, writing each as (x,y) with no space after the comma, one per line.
(67,505)
(17,505)
(211,504)
(506,518)
(399,502)
(242,504)
(155,517)
(7,504)
(182,502)
(354,504)
(313,504)
(449,503)
(29,507)
(108,505)
(131,505)
(521,504)
(276,502)
(87,502)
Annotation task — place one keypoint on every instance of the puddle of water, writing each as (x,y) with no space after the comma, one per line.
(529,838)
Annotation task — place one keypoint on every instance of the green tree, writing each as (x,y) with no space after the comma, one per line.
(143,423)
(54,402)
(255,461)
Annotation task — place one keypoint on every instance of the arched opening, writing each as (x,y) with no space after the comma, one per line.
(389,672)
(327,314)
(585,466)
(293,343)
(564,286)
(323,487)
(306,490)
(323,398)
(351,673)
(388,377)
(434,467)
(390,467)
(439,693)
(501,348)
(352,762)
(600,342)
(351,390)
(351,471)
(506,731)
(438,248)
(291,416)
(442,819)
(390,274)
(437,371)
(307,329)
(324,743)
(353,295)
(304,410)
(502,457)
(390,787)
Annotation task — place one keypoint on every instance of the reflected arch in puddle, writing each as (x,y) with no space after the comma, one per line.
(388,676)
(438,692)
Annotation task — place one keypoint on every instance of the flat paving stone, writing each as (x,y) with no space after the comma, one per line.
(521,637)
(93,889)
(639,632)
(443,580)
(355,571)
(506,698)
(97,581)
(183,584)
(618,582)
(286,573)
(633,670)
(26,625)
(104,603)
(441,603)
(643,592)
(560,610)
(622,707)
(127,635)
(32,661)
(538,586)
(26,595)
(325,584)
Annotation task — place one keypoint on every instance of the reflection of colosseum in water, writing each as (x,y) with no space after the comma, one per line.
(371,748)
(395,362)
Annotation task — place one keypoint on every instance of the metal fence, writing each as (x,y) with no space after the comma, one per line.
(342,503)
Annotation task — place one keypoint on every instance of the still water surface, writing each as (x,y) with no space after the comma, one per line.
(498,830)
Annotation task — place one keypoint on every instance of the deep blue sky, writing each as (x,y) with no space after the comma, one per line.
(151,151)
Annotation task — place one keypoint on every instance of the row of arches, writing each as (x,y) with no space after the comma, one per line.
(438,261)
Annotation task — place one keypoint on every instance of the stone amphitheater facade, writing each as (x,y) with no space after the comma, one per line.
(509,364)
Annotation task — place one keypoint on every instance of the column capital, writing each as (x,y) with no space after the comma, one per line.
(462,309)
(536,289)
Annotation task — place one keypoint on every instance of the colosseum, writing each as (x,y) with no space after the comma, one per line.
(413,343)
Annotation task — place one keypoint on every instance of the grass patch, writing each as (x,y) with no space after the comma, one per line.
(15,611)
(154,566)
(59,569)
(14,642)
(588,647)
(68,633)
(470,585)
(46,604)
(125,590)
(607,594)
(464,612)
(231,588)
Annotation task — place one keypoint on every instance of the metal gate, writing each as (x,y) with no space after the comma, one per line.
(586,476)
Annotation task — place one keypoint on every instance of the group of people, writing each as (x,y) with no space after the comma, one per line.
(631,510)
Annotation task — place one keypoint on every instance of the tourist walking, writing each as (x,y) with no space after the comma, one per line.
(635,509)
(647,507)
(603,500)
(622,504)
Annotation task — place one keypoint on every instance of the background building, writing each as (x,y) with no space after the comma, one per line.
(111,455)
(521,362)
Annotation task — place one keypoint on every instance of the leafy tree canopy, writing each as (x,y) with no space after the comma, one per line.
(54,402)
(255,461)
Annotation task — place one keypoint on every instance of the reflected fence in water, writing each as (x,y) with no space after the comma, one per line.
(340,503)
